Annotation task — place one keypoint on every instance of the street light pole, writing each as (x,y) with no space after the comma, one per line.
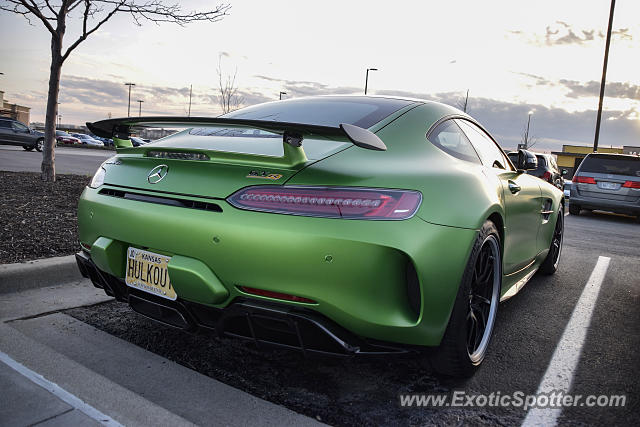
(366,80)
(604,76)
(129,104)
(190,92)
(282,93)
(140,101)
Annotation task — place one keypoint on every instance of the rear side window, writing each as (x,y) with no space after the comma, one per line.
(491,155)
(611,165)
(448,137)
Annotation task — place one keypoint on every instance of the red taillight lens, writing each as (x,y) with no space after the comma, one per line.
(584,179)
(547,176)
(276,295)
(329,202)
(631,184)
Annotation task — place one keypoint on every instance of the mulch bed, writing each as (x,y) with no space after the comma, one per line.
(38,219)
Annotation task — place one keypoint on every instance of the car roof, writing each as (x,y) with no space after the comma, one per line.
(614,156)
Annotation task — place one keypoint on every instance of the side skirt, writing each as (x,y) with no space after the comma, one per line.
(530,270)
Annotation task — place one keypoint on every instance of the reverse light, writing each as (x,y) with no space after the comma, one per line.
(329,202)
(584,179)
(631,184)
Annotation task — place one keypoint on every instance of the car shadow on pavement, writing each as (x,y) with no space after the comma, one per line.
(334,390)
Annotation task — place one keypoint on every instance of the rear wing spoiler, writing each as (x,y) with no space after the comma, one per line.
(292,133)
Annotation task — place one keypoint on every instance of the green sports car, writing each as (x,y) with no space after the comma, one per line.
(339,224)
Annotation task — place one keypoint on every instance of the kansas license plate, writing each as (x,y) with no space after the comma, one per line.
(148,272)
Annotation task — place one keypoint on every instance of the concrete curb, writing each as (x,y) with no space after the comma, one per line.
(38,274)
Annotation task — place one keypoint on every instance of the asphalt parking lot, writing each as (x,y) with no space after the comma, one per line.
(80,161)
(363,391)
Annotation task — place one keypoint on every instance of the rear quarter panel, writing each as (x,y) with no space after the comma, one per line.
(455,193)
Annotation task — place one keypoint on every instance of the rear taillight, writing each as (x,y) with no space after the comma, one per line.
(547,176)
(584,180)
(631,184)
(329,202)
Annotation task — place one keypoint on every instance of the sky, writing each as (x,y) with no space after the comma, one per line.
(514,57)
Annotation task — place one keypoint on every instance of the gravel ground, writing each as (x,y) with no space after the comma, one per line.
(38,219)
(353,391)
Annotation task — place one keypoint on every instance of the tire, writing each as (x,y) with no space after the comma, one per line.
(465,341)
(39,144)
(574,209)
(28,147)
(551,262)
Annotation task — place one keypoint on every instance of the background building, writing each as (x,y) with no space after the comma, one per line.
(15,111)
(571,155)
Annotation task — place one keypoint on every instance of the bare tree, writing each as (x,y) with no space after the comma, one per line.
(93,15)
(229,98)
(463,104)
(528,140)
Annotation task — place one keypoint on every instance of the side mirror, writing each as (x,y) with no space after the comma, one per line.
(526,160)
(565,172)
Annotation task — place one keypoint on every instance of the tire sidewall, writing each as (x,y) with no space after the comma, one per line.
(452,357)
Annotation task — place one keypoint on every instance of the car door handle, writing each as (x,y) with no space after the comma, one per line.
(513,187)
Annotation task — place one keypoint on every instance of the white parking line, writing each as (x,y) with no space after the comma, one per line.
(562,367)
(59,392)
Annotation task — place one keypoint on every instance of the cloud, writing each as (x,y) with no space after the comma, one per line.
(561,33)
(577,89)
(552,126)
(592,88)
(93,99)
(298,88)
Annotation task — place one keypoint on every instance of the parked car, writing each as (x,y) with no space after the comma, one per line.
(65,138)
(547,169)
(366,225)
(106,141)
(609,182)
(88,140)
(13,132)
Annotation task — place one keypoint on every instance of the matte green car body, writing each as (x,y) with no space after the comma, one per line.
(354,269)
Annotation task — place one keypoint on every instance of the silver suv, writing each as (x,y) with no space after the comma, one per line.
(608,182)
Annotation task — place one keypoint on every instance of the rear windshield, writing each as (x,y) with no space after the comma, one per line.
(324,111)
(611,165)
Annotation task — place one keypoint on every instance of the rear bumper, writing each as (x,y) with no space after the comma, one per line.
(604,204)
(357,272)
(264,323)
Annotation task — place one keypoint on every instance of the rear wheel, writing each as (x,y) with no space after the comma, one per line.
(39,144)
(574,209)
(551,262)
(467,337)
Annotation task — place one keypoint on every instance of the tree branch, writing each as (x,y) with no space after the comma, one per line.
(32,8)
(86,33)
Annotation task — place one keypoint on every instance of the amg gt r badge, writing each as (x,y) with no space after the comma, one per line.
(264,175)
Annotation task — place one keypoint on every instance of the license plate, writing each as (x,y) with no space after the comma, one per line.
(608,185)
(148,272)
